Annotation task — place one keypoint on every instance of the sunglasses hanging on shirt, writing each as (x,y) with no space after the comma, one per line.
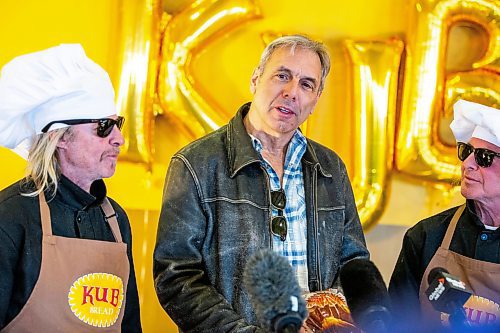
(278,223)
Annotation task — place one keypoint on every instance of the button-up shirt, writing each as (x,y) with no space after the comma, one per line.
(294,248)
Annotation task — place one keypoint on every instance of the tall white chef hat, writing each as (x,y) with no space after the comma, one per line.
(58,83)
(473,120)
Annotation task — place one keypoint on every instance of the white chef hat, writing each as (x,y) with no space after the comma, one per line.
(58,83)
(473,120)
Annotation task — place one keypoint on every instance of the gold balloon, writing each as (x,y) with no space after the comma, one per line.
(374,66)
(482,86)
(430,90)
(180,95)
(136,58)
(175,7)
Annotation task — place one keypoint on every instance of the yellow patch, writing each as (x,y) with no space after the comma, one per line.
(479,311)
(482,311)
(96,299)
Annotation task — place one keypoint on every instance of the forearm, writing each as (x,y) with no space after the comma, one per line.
(354,245)
(405,283)
(5,294)
(183,287)
(132,318)
(181,281)
(193,304)
(8,259)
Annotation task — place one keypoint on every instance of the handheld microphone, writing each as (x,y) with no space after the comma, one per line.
(274,292)
(366,296)
(448,294)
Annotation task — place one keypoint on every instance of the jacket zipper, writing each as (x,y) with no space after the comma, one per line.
(315,223)
(270,215)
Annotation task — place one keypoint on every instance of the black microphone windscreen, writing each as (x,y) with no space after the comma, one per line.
(366,294)
(434,273)
(446,292)
(273,288)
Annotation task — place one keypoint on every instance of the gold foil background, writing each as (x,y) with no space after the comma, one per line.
(182,68)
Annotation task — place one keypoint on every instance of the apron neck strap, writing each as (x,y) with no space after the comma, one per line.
(45,215)
(451,228)
(110,215)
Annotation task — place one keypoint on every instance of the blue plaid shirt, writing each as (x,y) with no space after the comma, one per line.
(294,248)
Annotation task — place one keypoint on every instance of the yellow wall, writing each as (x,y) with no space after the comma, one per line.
(27,26)
(220,71)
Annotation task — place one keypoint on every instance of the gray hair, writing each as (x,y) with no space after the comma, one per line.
(43,164)
(293,42)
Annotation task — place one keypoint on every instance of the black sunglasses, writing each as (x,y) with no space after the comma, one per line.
(484,157)
(104,125)
(278,223)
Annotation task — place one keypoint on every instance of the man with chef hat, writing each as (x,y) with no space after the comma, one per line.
(464,240)
(65,247)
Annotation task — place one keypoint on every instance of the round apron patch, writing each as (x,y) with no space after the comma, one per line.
(479,311)
(96,299)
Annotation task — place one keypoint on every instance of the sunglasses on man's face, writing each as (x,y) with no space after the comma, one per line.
(484,157)
(104,125)
(278,223)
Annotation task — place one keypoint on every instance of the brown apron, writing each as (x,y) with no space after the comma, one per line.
(82,283)
(482,277)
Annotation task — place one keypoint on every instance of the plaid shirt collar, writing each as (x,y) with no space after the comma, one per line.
(296,149)
(240,149)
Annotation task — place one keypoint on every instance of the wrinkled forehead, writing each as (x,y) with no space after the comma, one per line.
(480,143)
(296,59)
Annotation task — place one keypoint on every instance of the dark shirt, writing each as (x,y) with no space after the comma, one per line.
(75,213)
(421,242)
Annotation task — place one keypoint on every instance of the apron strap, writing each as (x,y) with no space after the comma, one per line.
(45,215)
(451,228)
(110,215)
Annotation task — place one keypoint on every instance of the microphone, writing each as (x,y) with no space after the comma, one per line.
(274,292)
(366,296)
(448,294)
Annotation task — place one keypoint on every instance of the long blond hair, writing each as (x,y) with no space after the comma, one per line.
(43,164)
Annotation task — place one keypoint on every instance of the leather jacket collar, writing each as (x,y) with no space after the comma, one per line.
(241,152)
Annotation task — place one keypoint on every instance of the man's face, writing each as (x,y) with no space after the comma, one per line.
(481,184)
(85,157)
(286,92)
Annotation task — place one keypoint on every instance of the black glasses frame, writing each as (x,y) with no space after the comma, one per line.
(104,127)
(279,225)
(483,157)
